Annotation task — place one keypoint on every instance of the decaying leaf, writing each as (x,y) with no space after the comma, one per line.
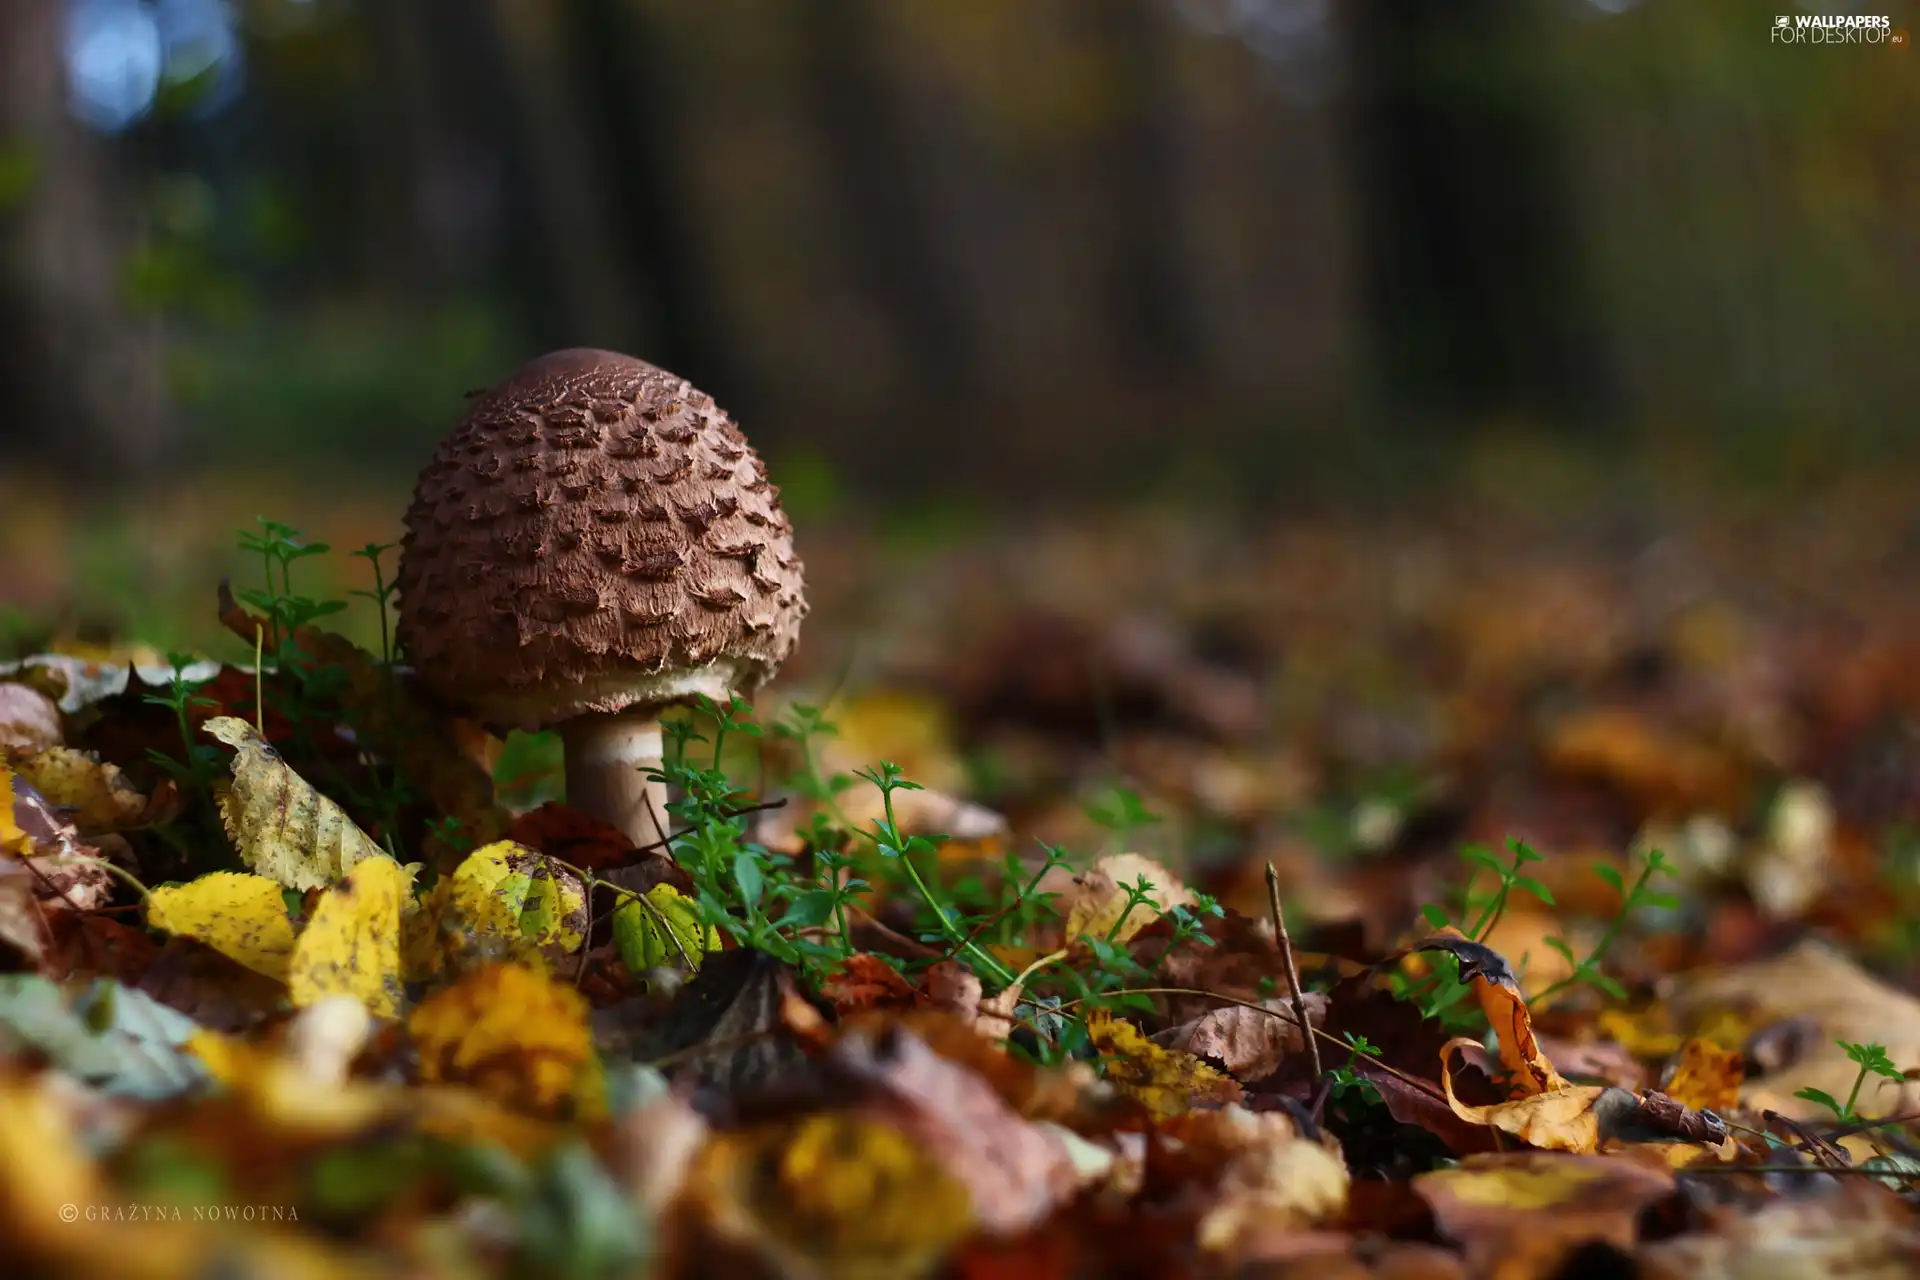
(351,946)
(865,981)
(97,796)
(516,1035)
(664,930)
(1095,901)
(1271,1178)
(244,917)
(1165,1081)
(502,903)
(282,827)
(1250,1043)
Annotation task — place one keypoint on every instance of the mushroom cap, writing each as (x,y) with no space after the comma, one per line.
(594,535)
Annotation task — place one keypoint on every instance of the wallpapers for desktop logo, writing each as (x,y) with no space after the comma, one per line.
(1836,28)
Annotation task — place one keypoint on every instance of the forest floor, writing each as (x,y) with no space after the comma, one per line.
(1594,829)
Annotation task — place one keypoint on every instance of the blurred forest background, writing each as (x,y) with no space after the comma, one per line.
(973,256)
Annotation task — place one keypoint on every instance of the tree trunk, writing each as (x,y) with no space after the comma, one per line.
(81,383)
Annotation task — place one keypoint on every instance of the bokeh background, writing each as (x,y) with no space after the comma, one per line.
(958,266)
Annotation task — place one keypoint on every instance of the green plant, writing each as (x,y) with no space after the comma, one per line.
(1872,1060)
(1586,969)
(1347,1087)
(1441,994)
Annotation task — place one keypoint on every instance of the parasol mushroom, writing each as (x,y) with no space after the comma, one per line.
(596,541)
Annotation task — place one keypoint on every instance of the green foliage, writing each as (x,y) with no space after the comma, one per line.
(1872,1060)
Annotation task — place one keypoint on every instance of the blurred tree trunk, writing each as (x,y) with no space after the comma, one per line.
(81,379)
(883,199)
(630,108)
(1471,267)
(1148,302)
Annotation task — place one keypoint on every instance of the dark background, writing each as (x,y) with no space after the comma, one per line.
(949,261)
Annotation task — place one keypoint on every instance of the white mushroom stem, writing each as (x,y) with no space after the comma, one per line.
(608,760)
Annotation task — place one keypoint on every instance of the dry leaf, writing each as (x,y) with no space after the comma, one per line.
(351,946)
(1565,1119)
(1521,1214)
(1250,1043)
(1493,983)
(29,719)
(98,797)
(503,902)
(241,916)
(830,1194)
(281,826)
(1708,1077)
(1165,1081)
(1095,901)
(514,1034)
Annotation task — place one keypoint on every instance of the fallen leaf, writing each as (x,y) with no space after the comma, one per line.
(111,1038)
(1015,1172)
(1250,1043)
(1165,1081)
(351,945)
(241,916)
(1521,1214)
(1707,1077)
(98,797)
(665,930)
(827,1194)
(1564,1119)
(514,1034)
(504,902)
(864,981)
(281,826)
(29,719)
(1493,983)
(1271,1178)
(1095,901)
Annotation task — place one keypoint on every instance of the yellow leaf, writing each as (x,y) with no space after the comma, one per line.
(243,917)
(1166,1081)
(842,1194)
(671,934)
(504,902)
(100,796)
(1565,1119)
(1708,1077)
(13,841)
(514,1034)
(352,944)
(283,828)
(1097,900)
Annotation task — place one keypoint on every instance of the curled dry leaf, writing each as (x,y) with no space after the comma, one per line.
(1493,983)
(281,826)
(351,945)
(951,987)
(514,1034)
(1095,901)
(1566,1119)
(243,917)
(1250,1043)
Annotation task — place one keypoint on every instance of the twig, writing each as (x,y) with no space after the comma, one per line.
(1293,974)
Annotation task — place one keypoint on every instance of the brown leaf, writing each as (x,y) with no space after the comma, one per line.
(1707,1077)
(1250,1043)
(1492,979)
(1520,1214)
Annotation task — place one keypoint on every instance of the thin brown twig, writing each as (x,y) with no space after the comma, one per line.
(1293,974)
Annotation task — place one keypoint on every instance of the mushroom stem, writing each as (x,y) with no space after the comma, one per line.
(608,759)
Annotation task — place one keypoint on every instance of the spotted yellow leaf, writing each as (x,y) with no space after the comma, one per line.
(1165,1081)
(98,796)
(505,902)
(352,943)
(243,917)
(282,827)
(669,934)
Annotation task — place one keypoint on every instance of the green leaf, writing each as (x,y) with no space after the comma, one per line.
(748,879)
(1480,854)
(1822,1097)
(1435,915)
(1535,888)
(1612,876)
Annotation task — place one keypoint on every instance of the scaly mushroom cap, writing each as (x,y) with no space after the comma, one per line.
(595,534)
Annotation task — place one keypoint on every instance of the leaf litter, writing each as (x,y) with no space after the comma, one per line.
(1036,1019)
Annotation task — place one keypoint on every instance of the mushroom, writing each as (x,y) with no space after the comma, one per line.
(596,541)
